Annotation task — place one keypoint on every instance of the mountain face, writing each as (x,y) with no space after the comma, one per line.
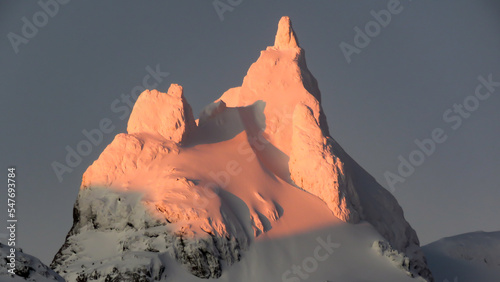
(259,164)
(26,267)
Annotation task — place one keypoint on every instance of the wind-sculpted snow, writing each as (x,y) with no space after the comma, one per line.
(211,111)
(167,115)
(315,168)
(285,37)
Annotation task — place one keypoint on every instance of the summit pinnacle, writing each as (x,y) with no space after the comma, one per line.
(285,37)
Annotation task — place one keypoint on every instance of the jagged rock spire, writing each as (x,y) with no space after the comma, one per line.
(162,114)
(285,37)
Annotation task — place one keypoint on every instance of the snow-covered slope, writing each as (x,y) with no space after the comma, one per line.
(467,257)
(256,177)
(27,268)
(340,252)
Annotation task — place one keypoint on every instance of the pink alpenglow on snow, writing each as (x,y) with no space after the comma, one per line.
(285,37)
(312,155)
(259,167)
(167,115)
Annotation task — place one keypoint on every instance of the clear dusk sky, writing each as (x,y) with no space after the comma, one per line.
(66,67)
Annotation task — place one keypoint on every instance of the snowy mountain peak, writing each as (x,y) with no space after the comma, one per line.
(175,90)
(285,37)
(259,163)
(163,115)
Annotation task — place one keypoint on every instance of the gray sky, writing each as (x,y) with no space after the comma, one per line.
(395,90)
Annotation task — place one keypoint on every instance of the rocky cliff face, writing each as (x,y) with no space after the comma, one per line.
(172,191)
(120,236)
